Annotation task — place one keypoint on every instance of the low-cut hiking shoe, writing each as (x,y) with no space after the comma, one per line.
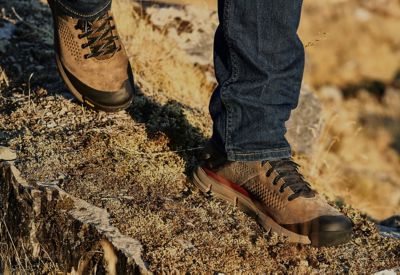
(276,194)
(92,60)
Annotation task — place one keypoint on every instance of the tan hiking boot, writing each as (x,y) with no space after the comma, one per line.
(92,60)
(276,193)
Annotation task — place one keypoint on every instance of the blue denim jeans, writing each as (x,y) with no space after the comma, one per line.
(84,9)
(259,63)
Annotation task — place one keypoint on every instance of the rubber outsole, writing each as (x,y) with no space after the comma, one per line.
(253,208)
(81,98)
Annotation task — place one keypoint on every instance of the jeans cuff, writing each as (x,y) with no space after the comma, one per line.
(269,154)
(84,11)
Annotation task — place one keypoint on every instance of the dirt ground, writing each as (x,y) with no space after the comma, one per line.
(135,163)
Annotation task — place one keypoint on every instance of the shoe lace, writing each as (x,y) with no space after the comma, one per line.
(100,38)
(287,170)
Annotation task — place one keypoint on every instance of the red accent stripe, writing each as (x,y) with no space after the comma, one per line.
(227,182)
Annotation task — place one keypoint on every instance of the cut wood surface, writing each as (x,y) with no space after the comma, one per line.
(42,223)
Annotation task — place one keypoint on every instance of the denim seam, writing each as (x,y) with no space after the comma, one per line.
(284,149)
(231,79)
(83,15)
(270,154)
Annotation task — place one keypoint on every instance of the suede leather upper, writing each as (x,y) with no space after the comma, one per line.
(108,75)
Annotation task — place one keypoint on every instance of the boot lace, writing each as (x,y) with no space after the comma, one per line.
(287,170)
(100,38)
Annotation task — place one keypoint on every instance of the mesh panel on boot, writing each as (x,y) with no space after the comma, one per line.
(264,194)
(239,172)
(67,38)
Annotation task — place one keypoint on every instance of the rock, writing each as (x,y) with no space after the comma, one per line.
(393,222)
(305,124)
(393,271)
(389,232)
(6,31)
(7,154)
(390,227)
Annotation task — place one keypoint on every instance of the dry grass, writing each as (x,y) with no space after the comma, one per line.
(3,78)
(133,164)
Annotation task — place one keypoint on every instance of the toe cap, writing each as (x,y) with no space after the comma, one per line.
(332,223)
(330,231)
(104,100)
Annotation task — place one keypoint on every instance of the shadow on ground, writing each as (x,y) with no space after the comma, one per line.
(169,119)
